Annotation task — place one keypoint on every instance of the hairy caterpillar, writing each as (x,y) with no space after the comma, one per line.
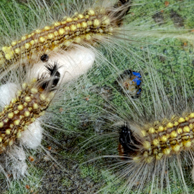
(84,27)
(147,142)
(21,127)
(21,117)
(87,27)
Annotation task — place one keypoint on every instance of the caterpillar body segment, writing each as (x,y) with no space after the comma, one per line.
(159,141)
(29,104)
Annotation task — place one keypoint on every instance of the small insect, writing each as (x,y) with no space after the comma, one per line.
(31,158)
(129,82)
(27,187)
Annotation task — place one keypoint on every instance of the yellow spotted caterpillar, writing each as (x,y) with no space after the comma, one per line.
(164,139)
(29,104)
(84,28)
(149,151)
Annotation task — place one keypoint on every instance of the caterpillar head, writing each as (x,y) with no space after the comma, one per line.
(128,143)
(50,83)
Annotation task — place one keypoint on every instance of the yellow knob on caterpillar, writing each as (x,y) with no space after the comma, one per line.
(10,115)
(11,142)
(186,129)
(61,31)
(24,85)
(16,122)
(169,125)
(69,19)
(143,133)
(7,131)
(35,106)
(149,159)
(155,142)
(19,135)
(27,99)
(179,130)
(161,128)
(34,90)
(159,156)
(1,124)
(42,97)
(191,115)
(146,145)
(13,100)
(164,138)
(13,43)
(47,28)
(191,126)
(151,130)
(96,23)
(27,46)
(136,158)
(176,148)
(173,134)
(187,144)
(24,38)
(20,107)
(166,151)
(26,113)
(181,120)
(91,12)
(145,154)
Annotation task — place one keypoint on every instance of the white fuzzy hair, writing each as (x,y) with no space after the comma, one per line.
(72,63)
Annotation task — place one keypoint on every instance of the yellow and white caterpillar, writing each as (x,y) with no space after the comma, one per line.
(20,118)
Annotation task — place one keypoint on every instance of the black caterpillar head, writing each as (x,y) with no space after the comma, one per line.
(128,142)
(50,83)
